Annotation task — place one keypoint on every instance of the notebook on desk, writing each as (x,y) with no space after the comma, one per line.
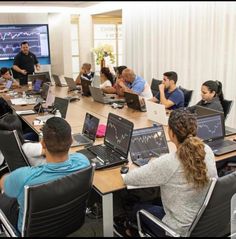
(135,102)
(88,135)
(211,129)
(100,97)
(156,112)
(115,149)
(147,143)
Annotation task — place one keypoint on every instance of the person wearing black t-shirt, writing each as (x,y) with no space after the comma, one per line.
(24,63)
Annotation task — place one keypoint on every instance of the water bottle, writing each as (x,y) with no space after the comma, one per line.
(58,113)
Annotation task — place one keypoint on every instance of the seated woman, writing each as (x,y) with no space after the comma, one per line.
(212,95)
(106,78)
(33,151)
(115,89)
(85,73)
(183,176)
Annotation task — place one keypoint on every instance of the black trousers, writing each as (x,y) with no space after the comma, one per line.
(10,208)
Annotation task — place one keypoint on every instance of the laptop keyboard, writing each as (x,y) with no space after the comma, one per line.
(106,154)
(220,144)
(81,139)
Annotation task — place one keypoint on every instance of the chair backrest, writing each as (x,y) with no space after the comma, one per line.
(4,107)
(215,219)
(57,208)
(187,96)
(12,151)
(154,86)
(227,105)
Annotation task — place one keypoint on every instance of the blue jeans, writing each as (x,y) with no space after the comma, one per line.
(157,211)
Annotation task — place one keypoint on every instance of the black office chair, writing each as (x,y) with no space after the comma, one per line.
(4,107)
(187,96)
(213,218)
(12,151)
(56,208)
(154,86)
(227,106)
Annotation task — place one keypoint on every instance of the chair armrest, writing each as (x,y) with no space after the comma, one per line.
(157,221)
(7,226)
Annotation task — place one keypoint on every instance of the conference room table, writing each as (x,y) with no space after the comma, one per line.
(109,180)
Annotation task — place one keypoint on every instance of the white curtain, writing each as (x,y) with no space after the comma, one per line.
(195,39)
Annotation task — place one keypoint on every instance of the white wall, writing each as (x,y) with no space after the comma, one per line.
(85,38)
(60,43)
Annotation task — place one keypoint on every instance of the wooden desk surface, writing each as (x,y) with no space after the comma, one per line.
(106,180)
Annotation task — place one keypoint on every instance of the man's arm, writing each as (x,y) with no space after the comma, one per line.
(2,181)
(37,66)
(18,69)
(167,103)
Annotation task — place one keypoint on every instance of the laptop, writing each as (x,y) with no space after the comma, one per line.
(59,104)
(211,129)
(88,135)
(135,102)
(50,98)
(99,96)
(38,76)
(156,112)
(47,75)
(37,83)
(71,84)
(85,86)
(96,81)
(200,110)
(147,143)
(58,82)
(115,149)
(44,91)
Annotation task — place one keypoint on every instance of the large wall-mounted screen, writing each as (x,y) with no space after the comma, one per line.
(37,35)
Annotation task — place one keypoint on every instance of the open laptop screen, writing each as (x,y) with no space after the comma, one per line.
(9,84)
(37,85)
(61,105)
(210,127)
(118,134)
(148,142)
(90,126)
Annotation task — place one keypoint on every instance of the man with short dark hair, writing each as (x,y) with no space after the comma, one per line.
(169,94)
(56,143)
(24,63)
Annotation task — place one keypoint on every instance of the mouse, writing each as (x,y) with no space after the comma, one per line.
(124,169)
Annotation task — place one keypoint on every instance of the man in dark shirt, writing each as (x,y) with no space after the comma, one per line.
(24,63)
(169,94)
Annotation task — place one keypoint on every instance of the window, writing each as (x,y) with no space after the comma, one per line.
(75,46)
(108,30)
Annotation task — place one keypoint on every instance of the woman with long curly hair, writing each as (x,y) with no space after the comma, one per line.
(183,176)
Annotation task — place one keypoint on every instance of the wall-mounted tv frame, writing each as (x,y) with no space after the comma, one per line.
(12,35)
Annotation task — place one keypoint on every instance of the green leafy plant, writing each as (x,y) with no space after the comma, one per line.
(104,51)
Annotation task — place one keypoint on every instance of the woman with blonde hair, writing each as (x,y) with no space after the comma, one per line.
(183,176)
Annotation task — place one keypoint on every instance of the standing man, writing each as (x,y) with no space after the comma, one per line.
(24,63)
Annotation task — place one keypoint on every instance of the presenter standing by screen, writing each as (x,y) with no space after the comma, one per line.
(25,63)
